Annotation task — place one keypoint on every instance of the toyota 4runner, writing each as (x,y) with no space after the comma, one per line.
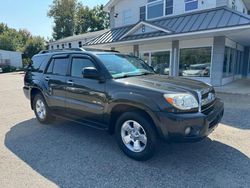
(123,95)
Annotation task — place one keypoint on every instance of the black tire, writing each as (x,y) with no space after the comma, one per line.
(48,116)
(148,127)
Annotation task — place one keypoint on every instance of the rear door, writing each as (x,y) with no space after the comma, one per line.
(55,82)
(85,97)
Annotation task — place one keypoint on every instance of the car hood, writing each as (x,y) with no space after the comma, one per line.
(165,83)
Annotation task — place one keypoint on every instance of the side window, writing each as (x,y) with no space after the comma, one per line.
(78,64)
(37,62)
(50,68)
(60,66)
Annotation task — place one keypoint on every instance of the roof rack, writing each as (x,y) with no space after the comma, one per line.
(76,49)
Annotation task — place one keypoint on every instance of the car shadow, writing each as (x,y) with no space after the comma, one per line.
(72,155)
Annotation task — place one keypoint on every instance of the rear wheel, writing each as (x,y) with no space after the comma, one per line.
(41,110)
(136,136)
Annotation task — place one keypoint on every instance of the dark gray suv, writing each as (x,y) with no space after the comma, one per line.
(123,95)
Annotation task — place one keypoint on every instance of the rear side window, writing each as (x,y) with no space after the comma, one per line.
(78,64)
(58,66)
(37,63)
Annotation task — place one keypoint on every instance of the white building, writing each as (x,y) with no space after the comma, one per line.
(206,40)
(11,58)
(76,41)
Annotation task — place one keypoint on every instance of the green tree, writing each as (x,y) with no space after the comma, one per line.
(34,45)
(90,19)
(100,18)
(6,42)
(83,19)
(63,13)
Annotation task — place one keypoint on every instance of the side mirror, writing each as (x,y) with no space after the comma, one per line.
(90,72)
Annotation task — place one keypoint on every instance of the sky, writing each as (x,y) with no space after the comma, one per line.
(32,14)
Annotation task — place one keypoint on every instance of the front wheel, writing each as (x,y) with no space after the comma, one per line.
(41,110)
(136,135)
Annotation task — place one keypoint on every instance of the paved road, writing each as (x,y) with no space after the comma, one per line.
(69,155)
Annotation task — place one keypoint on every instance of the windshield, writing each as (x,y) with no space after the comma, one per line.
(120,65)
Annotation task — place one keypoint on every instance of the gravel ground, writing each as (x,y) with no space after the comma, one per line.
(65,154)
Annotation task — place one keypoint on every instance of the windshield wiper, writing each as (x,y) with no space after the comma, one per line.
(132,75)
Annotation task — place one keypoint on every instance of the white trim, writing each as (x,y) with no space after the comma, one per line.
(179,35)
(137,26)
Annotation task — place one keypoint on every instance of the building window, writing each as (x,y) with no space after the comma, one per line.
(160,61)
(191,5)
(69,45)
(229,62)
(244,11)
(154,9)
(52,47)
(142,13)
(57,46)
(62,46)
(127,17)
(80,44)
(195,62)
(169,7)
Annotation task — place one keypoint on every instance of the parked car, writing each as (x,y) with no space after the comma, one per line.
(197,70)
(123,95)
(1,70)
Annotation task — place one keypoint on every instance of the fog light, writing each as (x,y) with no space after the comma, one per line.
(187,131)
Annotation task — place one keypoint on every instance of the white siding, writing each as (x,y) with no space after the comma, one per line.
(124,5)
(179,6)
(220,3)
(125,49)
(159,46)
(15,58)
(202,42)
(239,5)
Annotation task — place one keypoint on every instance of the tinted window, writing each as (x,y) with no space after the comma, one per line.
(78,64)
(60,66)
(36,64)
(50,68)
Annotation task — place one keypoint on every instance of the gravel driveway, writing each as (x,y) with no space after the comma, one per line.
(65,154)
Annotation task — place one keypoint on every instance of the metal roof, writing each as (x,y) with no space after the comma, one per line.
(83,36)
(217,18)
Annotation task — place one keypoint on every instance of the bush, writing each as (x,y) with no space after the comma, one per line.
(6,67)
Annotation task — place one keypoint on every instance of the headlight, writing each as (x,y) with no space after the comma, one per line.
(182,101)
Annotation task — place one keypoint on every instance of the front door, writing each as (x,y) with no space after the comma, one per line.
(85,97)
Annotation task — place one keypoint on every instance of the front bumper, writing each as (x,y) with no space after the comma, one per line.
(201,124)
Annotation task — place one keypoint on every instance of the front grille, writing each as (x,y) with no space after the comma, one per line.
(207,100)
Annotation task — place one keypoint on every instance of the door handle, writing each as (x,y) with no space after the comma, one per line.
(47,78)
(70,82)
